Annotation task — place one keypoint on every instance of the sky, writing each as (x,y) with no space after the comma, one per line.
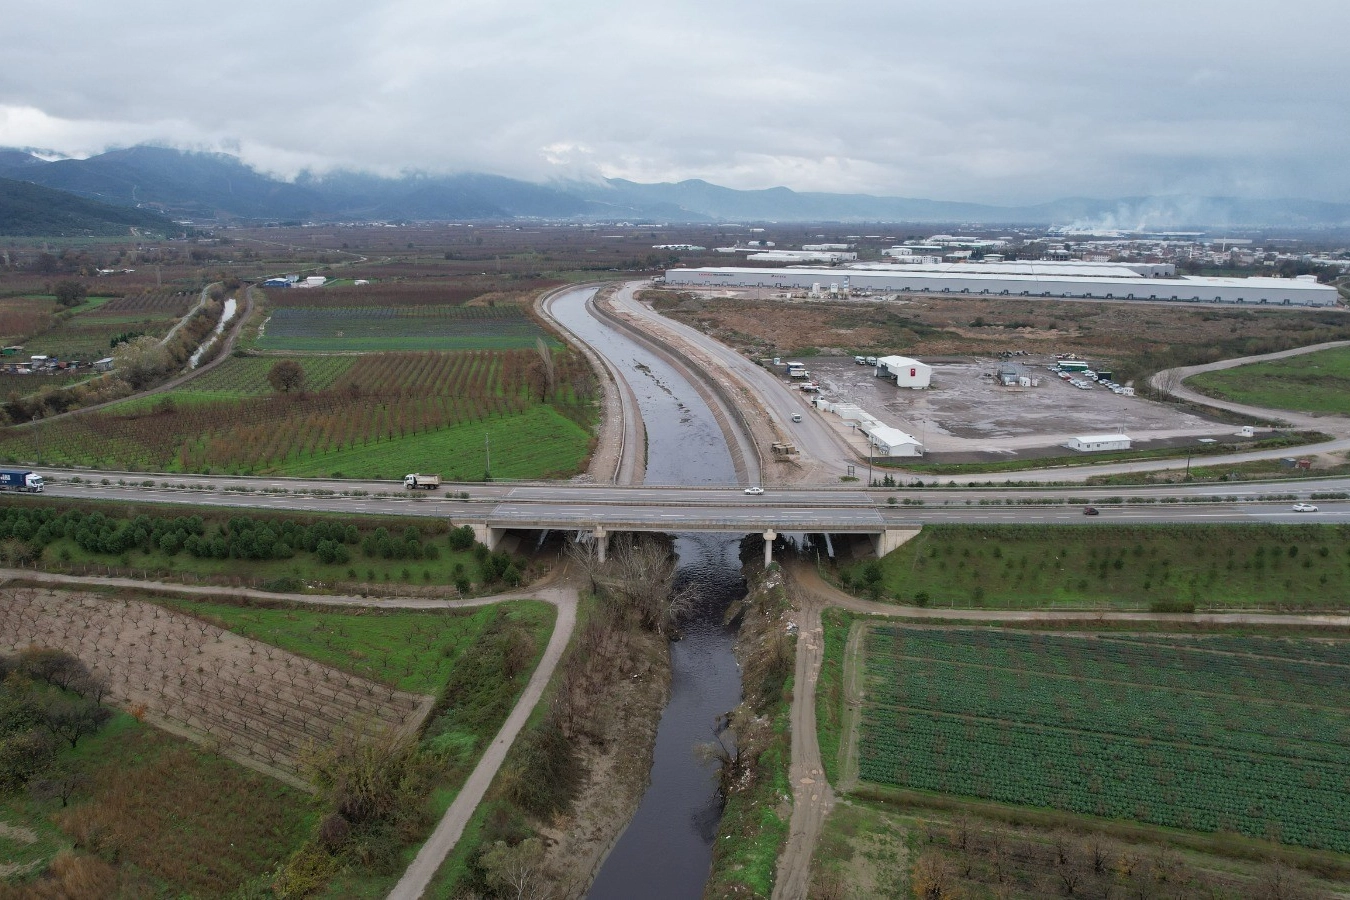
(985,100)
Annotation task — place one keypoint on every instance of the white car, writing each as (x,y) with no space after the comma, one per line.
(1304,507)
(754,490)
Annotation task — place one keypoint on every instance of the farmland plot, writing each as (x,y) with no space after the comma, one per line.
(260,704)
(372,328)
(1224,734)
(364,425)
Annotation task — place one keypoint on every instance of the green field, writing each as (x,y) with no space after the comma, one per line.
(372,328)
(536,443)
(1314,382)
(1141,566)
(412,650)
(370,416)
(1249,735)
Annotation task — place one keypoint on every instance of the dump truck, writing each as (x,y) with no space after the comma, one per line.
(430,482)
(20,480)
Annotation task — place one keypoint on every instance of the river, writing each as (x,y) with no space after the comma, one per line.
(666,851)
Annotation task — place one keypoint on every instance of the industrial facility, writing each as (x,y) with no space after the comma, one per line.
(908,373)
(1086,282)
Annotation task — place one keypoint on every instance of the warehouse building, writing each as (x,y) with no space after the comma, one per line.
(908,373)
(1301,291)
(888,441)
(1099,443)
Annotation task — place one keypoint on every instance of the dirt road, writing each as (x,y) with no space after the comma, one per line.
(813,797)
(1172,381)
(561,595)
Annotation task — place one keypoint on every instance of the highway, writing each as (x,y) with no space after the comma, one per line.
(847,508)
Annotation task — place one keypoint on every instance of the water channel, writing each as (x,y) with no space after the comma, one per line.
(666,851)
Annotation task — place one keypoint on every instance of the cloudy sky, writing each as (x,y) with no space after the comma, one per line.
(985,100)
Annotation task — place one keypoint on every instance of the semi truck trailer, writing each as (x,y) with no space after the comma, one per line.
(20,480)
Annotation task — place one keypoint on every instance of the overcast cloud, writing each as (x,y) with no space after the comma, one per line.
(982,100)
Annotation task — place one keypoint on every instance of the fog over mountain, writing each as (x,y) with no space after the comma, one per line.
(217,187)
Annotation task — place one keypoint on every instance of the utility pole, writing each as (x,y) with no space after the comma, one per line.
(487,453)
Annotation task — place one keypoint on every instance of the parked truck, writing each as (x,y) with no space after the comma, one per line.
(429,482)
(20,480)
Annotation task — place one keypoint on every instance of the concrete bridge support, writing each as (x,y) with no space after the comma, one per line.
(769,537)
(892,538)
(601,542)
(488,537)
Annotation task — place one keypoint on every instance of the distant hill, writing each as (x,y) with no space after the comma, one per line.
(217,187)
(31,210)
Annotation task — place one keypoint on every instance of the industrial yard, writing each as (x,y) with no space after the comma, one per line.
(968,411)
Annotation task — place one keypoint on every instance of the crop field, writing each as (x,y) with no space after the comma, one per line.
(1213,566)
(158,302)
(383,416)
(88,335)
(1315,382)
(371,328)
(246,376)
(1243,735)
(258,702)
(180,820)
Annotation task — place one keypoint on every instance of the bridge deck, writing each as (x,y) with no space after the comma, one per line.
(700,517)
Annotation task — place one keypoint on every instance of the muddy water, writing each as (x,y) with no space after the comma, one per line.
(666,851)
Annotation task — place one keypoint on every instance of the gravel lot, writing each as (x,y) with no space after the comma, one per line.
(967,411)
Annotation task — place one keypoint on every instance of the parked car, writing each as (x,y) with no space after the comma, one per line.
(1090,511)
(1304,507)
(754,490)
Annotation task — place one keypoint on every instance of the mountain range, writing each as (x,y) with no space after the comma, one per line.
(217,188)
(31,210)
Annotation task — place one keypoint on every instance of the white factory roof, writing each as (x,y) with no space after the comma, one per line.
(892,437)
(898,361)
(916,274)
(1100,438)
(1075,268)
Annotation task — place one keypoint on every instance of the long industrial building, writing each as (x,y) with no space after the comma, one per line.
(1088,284)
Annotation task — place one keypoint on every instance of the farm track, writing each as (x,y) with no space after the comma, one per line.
(811,807)
(555,590)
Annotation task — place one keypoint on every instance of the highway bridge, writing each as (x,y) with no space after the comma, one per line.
(888,517)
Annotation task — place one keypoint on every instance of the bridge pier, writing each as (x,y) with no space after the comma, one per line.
(769,537)
(601,542)
(892,538)
(488,537)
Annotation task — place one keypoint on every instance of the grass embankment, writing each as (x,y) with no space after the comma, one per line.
(1197,451)
(1255,470)
(1314,382)
(756,784)
(1161,567)
(830,689)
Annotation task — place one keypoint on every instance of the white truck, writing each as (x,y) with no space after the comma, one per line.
(429,482)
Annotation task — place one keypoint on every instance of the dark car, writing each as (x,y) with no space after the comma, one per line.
(1090,511)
